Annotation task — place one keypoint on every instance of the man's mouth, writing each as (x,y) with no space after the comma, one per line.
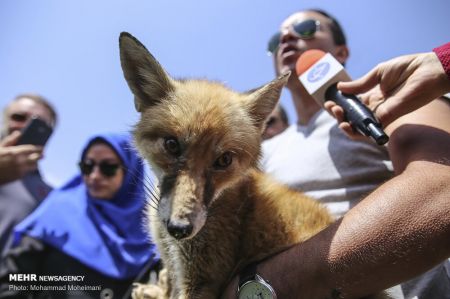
(289,54)
(287,50)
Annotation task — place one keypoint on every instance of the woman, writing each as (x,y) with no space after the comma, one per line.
(88,234)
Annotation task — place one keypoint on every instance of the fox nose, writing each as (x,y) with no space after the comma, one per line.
(179,230)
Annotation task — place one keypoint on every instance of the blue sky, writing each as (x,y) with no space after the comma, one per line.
(68,51)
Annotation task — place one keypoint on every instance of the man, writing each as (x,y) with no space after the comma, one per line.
(276,123)
(313,155)
(395,233)
(21,185)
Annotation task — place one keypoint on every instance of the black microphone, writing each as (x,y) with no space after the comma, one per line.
(319,73)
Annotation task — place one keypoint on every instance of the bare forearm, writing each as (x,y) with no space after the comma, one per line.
(399,231)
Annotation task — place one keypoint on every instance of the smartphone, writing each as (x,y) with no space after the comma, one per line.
(37,132)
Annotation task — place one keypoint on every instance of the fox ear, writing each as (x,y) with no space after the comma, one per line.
(263,100)
(145,76)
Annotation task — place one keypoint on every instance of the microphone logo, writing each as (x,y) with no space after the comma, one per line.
(318,72)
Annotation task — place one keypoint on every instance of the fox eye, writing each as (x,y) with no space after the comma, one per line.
(172,146)
(223,161)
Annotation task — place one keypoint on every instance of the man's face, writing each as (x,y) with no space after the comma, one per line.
(274,125)
(19,113)
(292,46)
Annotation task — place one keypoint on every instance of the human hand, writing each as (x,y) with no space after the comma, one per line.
(402,85)
(372,99)
(17,160)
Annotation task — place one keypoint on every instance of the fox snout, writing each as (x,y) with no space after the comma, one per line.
(181,209)
(186,217)
(179,229)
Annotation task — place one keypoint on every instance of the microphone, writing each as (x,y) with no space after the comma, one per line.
(319,72)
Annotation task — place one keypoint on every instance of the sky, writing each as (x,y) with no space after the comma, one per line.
(68,52)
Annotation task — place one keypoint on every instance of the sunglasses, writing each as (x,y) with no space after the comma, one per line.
(24,117)
(19,117)
(106,168)
(304,30)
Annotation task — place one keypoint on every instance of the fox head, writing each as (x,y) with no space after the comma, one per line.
(199,136)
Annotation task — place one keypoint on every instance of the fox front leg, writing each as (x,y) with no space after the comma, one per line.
(151,291)
(147,291)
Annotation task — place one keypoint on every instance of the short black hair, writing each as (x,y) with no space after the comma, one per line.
(336,29)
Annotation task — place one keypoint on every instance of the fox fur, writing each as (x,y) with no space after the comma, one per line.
(216,211)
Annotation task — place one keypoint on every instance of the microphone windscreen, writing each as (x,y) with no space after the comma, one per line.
(307,59)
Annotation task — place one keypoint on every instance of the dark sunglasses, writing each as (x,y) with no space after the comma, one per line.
(304,30)
(106,168)
(19,117)
(23,117)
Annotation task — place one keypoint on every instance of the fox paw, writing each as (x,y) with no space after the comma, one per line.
(146,291)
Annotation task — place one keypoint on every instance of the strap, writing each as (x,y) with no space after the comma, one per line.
(248,273)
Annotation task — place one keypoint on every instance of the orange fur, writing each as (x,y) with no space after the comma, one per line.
(216,212)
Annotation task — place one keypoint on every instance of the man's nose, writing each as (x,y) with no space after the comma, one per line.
(287,35)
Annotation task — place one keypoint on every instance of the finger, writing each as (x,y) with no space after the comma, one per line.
(29,162)
(338,113)
(11,139)
(398,105)
(335,110)
(328,105)
(348,130)
(372,99)
(362,84)
(364,98)
(26,149)
(34,157)
(392,109)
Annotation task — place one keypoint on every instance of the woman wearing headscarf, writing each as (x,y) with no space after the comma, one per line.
(87,238)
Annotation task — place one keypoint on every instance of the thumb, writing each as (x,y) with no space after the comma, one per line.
(362,84)
(11,139)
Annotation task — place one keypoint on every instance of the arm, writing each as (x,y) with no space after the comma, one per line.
(399,231)
(17,160)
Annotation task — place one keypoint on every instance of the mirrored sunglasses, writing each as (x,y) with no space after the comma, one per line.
(304,30)
(106,168)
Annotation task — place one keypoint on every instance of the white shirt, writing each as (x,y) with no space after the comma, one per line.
(320,160)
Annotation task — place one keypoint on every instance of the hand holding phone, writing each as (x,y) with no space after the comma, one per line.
(37,132)
(17,160)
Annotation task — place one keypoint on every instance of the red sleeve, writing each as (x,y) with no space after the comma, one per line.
(443,53)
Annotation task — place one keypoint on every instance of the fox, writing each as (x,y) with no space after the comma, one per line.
(215,212)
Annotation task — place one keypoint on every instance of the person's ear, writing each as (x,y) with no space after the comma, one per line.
(342,53)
